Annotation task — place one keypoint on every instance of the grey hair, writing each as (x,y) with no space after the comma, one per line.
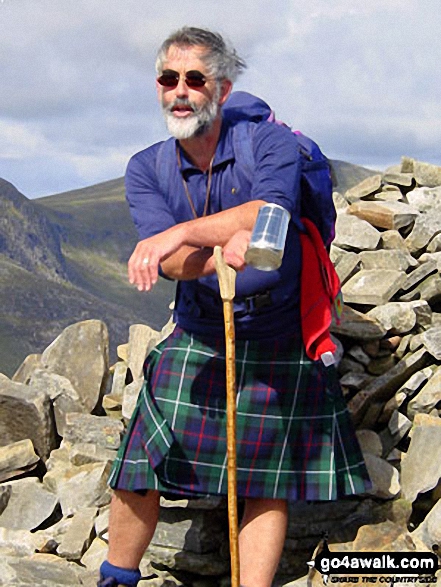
(222,60)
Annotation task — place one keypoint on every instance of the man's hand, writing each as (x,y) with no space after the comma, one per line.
(235,249)
(148,253)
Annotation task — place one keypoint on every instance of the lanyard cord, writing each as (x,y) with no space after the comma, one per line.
(187,192)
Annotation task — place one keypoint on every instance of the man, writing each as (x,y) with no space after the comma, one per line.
(294,437)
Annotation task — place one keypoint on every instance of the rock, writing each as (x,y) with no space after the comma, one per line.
(23,373)
(387,215)
(29,505)
(429,290)
(421,467)
(84,453)
(396,317)
(347,266)
(142,339)
(391,406)
(370,442)
(416,381)
(26,414)
(46,570)
(340,202)
(354,324)
(424,199)
(21,542)
(352,233)
(119,381)
(372,287)
(401,179)
(64,397)
(427,174)
(385,259)
(385,478)
(79,487)
(102,431)
(429,531)
(427,398)
(435,244)
(95,555)
(368,186)
(426,226)
(392,239)
(385,537)
(432,341)
(17,458)
(130,399)
(81,354)
(382,388)
(381,365)
(398,426)
(79,536)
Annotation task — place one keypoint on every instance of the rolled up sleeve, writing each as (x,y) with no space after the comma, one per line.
(148,208)
(277,167)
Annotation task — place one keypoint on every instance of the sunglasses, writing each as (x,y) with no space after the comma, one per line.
(170,79)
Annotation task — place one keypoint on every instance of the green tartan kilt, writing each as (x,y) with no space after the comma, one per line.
(295,440)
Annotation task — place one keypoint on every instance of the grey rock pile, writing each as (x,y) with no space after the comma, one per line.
(63,413)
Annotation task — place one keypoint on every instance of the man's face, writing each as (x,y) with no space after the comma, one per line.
(190,111)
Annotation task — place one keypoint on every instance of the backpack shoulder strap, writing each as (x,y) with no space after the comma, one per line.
(165,165)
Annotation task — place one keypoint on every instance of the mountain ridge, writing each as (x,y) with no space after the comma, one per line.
(63,258)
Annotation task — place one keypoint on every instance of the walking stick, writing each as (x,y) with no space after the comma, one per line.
(227,280)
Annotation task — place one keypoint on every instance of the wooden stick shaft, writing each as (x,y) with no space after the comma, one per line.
(231,442)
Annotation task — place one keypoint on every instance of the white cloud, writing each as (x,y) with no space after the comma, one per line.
(77,77)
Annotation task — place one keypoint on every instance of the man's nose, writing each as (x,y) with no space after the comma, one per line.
(182,88)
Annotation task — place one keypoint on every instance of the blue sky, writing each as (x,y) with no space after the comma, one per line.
(77,95)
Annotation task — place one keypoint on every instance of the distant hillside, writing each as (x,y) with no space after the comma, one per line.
(348,175)
(63,258)
(27,236)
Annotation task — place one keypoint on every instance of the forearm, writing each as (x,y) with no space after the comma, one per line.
(219,228)
(189,263)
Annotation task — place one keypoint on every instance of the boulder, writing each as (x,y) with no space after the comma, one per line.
(385,259)
(29,505)
(79,487)
(396,317)
(26,413)
(81,354)
(428,397)
(102,431)
(372,287)
(387,215)
(425,199)
(354,234)
(64,397)
(421,465)
(385,478)
(17,458)
(79,536)
(142,339)
(365,188)
(426,226)
(357,325)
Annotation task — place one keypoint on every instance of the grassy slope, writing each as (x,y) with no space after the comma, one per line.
(98,237)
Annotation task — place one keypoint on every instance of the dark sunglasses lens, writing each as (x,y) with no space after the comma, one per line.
(195,79)
(168,80)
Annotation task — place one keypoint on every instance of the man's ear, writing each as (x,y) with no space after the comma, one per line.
(226,87)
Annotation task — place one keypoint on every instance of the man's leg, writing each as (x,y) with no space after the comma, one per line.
(261,538)
(132,523)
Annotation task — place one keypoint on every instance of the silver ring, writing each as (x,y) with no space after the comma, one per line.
(145,261)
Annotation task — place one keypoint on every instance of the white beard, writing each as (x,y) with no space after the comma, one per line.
(195,124)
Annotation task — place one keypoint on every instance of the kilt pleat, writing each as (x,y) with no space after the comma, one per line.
(295,439)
